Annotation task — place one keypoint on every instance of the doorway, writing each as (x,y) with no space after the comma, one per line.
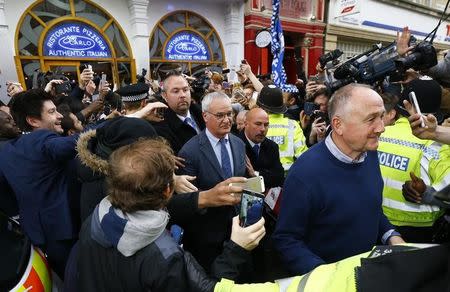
(71,69)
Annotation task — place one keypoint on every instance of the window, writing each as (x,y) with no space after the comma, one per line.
(43,16)
(202,49)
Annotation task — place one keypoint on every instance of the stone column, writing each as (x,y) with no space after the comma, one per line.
(233,40)
(139,40)
(7,65)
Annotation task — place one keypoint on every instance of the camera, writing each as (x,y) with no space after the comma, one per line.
(321,116)
(310,108)
(330,56)
(141,77)
(380,62)
(64,87)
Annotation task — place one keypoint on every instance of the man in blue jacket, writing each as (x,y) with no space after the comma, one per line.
(36,166)
(331,205)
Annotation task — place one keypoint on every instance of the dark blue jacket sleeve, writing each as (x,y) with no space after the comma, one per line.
(191,165)
(296,217)
(384,225)
(60,148)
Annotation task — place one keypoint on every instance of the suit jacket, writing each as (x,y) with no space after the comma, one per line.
(175,131)
(267,163)
(37,167)
(206,231)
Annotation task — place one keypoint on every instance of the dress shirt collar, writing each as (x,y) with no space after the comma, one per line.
(213,139)
(182,118)
(251,142)
(339,154)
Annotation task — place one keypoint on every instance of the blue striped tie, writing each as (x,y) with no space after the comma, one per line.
(226,164)
(191,123)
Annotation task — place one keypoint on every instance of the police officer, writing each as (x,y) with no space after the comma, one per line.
(402,156)
(384,268)
(285,132)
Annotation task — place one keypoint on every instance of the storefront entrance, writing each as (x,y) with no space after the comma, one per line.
(61,36)
(72,69)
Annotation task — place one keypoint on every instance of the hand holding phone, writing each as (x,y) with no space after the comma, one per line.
(254,184)
(251,208)
(413,101)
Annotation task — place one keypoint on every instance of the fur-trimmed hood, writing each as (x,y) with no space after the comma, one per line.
(86,153)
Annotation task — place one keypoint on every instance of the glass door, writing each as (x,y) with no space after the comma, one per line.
(69,69)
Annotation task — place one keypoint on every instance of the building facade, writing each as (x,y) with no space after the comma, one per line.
(354,26)
(118,37)
(303,23)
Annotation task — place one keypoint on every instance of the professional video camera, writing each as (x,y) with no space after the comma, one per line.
(331,56)
(199,85)
(379,62)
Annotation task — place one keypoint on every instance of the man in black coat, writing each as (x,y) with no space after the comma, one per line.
(182,120)
(124,244)
(263,157)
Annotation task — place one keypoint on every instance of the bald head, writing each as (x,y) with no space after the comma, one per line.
(256,125)
(240,120)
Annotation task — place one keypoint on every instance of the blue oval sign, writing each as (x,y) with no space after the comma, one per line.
(76,42)
(72,39)
(186,46)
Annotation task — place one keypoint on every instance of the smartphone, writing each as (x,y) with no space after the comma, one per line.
(310,108)
(413,101)
(63,88)
(226,85)
(251,208)
(254,184)
(84,66)
(314,78)
(102,81)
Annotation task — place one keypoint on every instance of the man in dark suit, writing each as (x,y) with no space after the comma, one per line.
(263,157)
(183,119)
(37,168)
(212,156)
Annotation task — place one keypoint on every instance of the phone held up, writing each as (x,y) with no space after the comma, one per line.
(251,208)
(413,101)
(310,108)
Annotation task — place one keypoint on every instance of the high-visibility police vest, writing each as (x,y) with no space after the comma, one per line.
(289,136)
(338,276)
(346,275)
(399,153)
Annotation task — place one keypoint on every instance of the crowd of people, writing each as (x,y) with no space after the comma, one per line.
(140,189)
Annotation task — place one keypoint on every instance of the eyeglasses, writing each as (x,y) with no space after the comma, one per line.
(222,116)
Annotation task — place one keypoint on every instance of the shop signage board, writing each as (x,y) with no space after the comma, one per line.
(347,7)
(186,46)
(75,40)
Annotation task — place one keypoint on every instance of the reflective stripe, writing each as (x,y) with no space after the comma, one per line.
(287,166)
(430,151)
(409,207)
(284,283)
(443,183)
(278,126)
(287,153)
(392,183)
(290,135)
(424,176)
(299,144)
(424,168)
(303,281)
